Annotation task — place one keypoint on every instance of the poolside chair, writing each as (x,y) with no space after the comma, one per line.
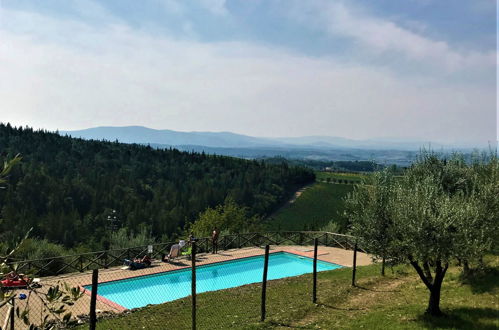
(174,253)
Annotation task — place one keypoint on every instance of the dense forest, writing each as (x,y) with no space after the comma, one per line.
(76,192)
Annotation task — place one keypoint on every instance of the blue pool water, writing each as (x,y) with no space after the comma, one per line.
(168,286)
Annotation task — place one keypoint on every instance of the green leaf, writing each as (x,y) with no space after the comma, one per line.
(66,317)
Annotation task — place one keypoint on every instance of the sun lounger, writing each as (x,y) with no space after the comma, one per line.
(174,253)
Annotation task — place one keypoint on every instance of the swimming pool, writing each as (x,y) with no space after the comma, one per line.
(172,285)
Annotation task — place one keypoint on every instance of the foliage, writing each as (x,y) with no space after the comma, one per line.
(54,301)
(66,188)
(7,167)
(369,207)
(227,218)
(34,249)
(437,212)
(317,206)
(331,227)
(337,166)
(121,239)
(481,229)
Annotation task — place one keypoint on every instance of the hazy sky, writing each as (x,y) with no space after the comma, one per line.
(413,69)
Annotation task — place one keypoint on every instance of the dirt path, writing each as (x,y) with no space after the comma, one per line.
(292,199)
(298,194)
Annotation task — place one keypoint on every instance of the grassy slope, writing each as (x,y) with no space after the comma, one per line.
(396,301)
(319,204)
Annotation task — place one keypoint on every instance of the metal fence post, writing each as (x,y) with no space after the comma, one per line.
(105,260)
(11,316)
(383,266)
(81,263)
(314,292)
(193,285)
(264,281)
(93,299)
(354,263)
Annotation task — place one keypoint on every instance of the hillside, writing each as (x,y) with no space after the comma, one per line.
(397,299)
(314,208)
(67,189)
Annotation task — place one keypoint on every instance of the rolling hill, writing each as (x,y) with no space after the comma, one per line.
(66,188)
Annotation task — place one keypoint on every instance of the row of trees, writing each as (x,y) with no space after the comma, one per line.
(343,166)
(343,181)
(76,192)
(440,211)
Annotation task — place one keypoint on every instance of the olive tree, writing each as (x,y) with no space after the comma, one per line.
(436,213)
(368,209)
(480,232)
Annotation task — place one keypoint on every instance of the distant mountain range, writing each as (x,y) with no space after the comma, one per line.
(140,134)
(227,143)
(144,135)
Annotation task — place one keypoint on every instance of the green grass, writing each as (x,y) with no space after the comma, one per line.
(396,301)
(322,176)
(317,205)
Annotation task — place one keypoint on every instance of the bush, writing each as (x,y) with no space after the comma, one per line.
(122,239)
(34,249)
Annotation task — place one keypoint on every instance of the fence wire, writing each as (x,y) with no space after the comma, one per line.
(152,286)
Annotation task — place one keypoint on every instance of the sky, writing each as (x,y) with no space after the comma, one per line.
(408,70)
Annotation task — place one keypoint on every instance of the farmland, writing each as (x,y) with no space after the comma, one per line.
(316,206)
(335,176)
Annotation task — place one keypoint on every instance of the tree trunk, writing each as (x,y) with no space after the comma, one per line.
(434,285)
(434,303)
(466,268)
(383,266)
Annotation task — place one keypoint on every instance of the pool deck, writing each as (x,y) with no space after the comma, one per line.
(335,255)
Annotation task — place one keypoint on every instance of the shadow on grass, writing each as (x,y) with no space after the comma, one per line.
(462,318)
(484,280)
(274,324)
(369,289)
(341,309)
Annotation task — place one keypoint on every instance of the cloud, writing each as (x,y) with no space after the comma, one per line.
(216,7)
(87,75)
(378,35)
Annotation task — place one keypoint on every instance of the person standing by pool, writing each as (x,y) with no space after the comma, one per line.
(214,240)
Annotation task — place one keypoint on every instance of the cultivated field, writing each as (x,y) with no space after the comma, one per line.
(314,208)
(323,176)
